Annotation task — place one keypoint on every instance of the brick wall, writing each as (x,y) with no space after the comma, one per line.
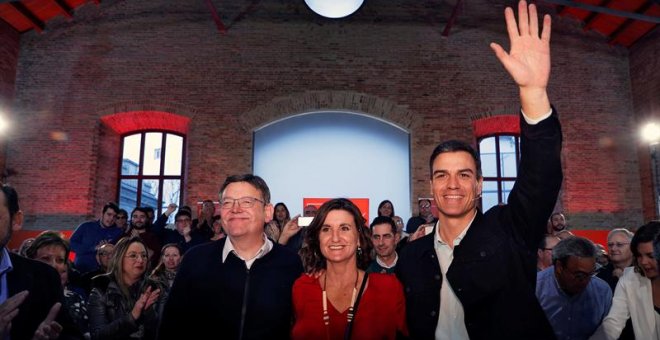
(277,59)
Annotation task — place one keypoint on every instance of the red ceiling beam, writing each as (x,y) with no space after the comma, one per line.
(36,23)
(589,20)
(619,30)
(452,18)
(64,8)
(216,17)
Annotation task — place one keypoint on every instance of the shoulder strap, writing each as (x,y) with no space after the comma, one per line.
(349,326)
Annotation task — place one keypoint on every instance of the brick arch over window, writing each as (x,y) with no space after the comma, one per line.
(501,124)
(122,123)
(311,101)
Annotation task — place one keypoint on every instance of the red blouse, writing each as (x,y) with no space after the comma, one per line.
(380,315)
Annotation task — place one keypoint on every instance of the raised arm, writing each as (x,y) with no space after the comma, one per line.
(528,61)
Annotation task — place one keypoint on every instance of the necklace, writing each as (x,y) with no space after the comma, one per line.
(326,316)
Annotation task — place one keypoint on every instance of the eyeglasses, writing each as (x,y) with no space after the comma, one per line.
(582,276)
(384,237)
(617,244)
(135,256)
(243,202)
(105,254)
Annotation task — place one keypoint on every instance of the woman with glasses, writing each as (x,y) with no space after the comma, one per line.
(124,303)
(618,244)
(637,294)
(338,299)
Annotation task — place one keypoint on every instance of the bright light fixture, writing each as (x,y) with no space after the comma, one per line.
(334,9)
(4,124)
(651,133)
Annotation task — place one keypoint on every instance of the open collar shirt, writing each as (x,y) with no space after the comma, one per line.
(266,247)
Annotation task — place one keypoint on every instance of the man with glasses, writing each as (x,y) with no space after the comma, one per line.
(544,253)
(238,287)
(385,237)
(573,299)
(183,235)
(425,216)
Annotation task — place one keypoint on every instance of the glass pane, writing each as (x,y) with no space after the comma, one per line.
(149,193)
(506,189)
(128,194)
(130,163)
(171,194)
(508,156)
(489,197)
(174,155)
(152,147)
(487,155)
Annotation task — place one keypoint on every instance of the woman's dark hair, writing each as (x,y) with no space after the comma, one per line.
(382,204)
(645,233)
(288,215)
(313,259)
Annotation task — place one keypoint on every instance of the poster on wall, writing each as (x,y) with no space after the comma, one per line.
(361,203)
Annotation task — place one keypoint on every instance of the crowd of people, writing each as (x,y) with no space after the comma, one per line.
(254,272)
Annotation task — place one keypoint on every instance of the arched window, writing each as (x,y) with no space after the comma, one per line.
(500,156)
(151,170)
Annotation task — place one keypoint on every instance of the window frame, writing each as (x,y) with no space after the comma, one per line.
(140,177)
(499,179)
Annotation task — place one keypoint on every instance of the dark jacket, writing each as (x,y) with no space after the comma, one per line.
(43,284)
(211,299)
(493,272)
(109,311)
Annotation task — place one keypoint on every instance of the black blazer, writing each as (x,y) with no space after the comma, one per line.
(493,273)
(45,289)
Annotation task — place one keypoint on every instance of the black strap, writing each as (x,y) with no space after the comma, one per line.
(349,326)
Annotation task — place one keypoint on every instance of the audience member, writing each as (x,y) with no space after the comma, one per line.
(139,226)
(239,285)
(203,224)
(293,235)
(124,303)
(183,236)
(31,292)
(564,234)
(621,257)
(556,223)
(51,248)
(544,253)
(637,294)
(121,219)
(170,259)
(385,237)
(355,304)
(103,255)
(425,216)
(282,215)
(485,288)
(602,257)
(218,231)
(25,245)
(574,301)
(386,208)
(90,235)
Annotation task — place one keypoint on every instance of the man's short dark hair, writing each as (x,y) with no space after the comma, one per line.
(253,180)
(111,205)
(11,198)
(122,212)
(140,209)
(455,146)
(182,213)
(383,220)
(573,246)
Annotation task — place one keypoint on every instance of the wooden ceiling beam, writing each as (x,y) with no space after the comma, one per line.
(64,8)
(606,10)
(36,23)
(619,30)
(589,20)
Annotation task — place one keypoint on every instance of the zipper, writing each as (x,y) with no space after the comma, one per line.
(245,298)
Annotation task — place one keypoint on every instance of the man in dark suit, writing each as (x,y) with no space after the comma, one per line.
(475,275)
(33,296)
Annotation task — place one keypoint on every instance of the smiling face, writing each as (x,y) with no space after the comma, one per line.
(455,184)
(384,239)
(385,209)
(240,222)
(619,247)
(281,214)
(338,237)
(646,260)
(134,263)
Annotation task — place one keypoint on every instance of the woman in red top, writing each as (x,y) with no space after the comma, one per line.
(343,302)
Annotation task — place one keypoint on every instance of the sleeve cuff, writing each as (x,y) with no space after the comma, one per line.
(531,121)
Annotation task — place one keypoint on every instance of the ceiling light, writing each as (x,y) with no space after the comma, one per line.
(334,9)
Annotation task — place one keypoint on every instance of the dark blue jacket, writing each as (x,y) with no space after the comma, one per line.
(212,300)
(493,272)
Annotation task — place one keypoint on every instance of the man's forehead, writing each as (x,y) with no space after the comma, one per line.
(453,160)
(382,229)
(240,189)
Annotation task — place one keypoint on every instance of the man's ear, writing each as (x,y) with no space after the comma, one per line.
(17,221)
(269,211)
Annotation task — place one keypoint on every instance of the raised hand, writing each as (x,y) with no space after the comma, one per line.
(146,300)
(9,310)
(528,61)
(49,328)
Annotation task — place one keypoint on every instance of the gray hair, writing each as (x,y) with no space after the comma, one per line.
(573,246)
(624,231)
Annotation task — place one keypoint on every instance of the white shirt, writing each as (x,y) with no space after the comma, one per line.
(451,319)
(265,248)
(382,264)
